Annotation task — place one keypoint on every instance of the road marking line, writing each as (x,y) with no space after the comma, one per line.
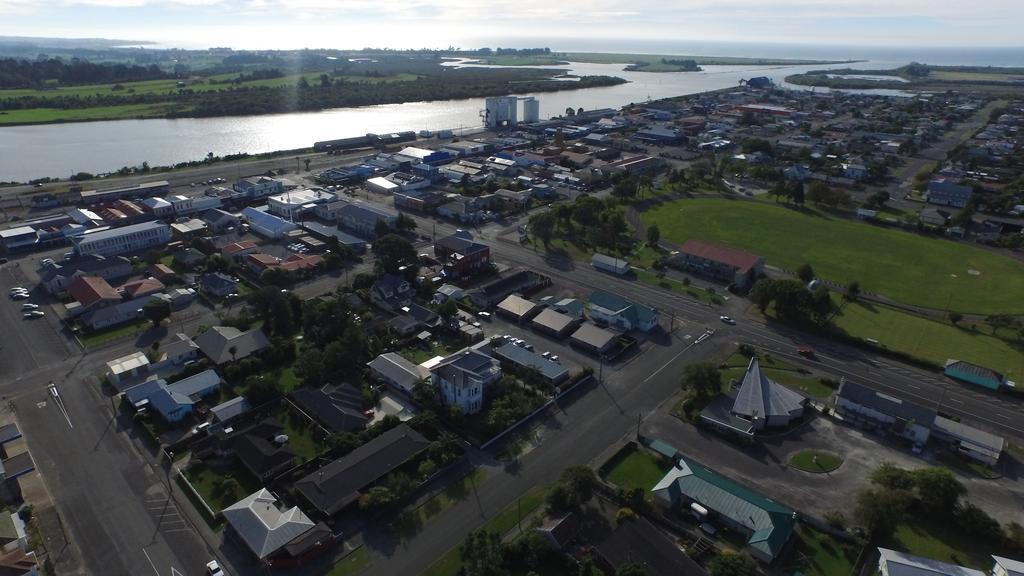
(150,560)
(676,357)
(955,400)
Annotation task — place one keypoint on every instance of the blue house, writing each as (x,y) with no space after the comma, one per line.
(217,284)
(174,401)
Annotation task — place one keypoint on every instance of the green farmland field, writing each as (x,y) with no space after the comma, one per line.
(905,267)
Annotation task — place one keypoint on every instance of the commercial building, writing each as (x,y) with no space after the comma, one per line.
(258,187)
(462,378)
(185,205)
(719,262)
(616,311)
(266,224)
(518,308)
(609,264)
(362,218)
(144,190)
(114,241)
(462,256)
(893,563)
(554,323)
(946,193)
(873,410)
(18,238)
(691,488)
(293,204)
(767,110)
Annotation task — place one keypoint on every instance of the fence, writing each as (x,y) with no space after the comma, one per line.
(551,402)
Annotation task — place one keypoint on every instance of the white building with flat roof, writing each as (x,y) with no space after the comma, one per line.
(294,203)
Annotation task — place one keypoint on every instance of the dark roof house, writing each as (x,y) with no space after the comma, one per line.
(337,408)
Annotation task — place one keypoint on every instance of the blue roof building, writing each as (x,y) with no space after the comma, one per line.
(621,313)
(551,371)
(266,224)
(174,401)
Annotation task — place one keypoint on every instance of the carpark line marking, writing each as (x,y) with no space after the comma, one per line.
(150,560)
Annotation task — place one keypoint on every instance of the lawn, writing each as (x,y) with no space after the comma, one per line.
(451,563)
(779,371)
(930,339)
(412,521)
(302,433)
(95,338)
(352,564)
(944,542)
(48,115)
(914,269)
(823,555)
(209,483)
(420,354)
(815,461)
(635,468)
(694,292)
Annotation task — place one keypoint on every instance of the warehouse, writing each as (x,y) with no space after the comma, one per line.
(609,264)
(266,224)
(554,323)
(518,308)
(593,339)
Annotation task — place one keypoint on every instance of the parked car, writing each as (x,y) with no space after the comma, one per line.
(33,314)
(17,289)
(213,568)
(26,307)
(20,296)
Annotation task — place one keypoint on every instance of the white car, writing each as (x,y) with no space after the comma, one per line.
(26,307)
(20,296)
(17,289)
(554,358)
(727,320)
(213,569)
(33,314)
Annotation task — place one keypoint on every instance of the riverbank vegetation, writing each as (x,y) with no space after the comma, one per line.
(915,76)
(312,84)
(633,62)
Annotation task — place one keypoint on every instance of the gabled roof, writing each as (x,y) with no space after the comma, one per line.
(143,287)
(762,397)
(396,368)
(739,259)
(216,343)
(902,564)
(639,541)
(771,523)
(1012,567)
(636,313)
(89,290)
(461,245)
(236,247)
(888,405)
(338,408)
(974,370)
(85,264)
(262,525)
(337,484)
(523,357)
(257,451)
(231,409)
(467,360)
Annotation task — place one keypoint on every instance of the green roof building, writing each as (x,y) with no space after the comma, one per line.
(713,498)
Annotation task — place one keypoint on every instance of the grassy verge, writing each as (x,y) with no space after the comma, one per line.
(701,294)
(944,275)
(412,521)
(450,564)
(352,564)
(815,461)
(930,339)
(945,542)
(115,333)
(51,115)
(635,468)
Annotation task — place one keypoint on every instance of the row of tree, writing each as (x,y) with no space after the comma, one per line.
(54,72)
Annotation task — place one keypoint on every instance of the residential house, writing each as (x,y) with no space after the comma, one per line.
(1007,567)
(140,288)
(223,344)
(593,339)
(92,292)
(337,408)
(217,284)
(934,217)
(340,483)
(637,541)
(229,410)
(616,311)
(239,250)
(394,370)
(173,401)
(559,531)
(448,292)
(178,351)
(127,367)
(461,256)
(391,292)
(119,313)
(161,272)
(554,323)
(188,257)
(719,262)
(259,450)
(693,489)
(947,193)
(462,378)
(55,278)
(893,563)
(264,525)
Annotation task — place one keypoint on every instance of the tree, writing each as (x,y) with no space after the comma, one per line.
(817,192)
(260,389)
(376,498)
(392,252)
(157,311)
(381,228)
(732,564)
(761,293)
(631,569)
(404,223)
(805,273)
(653,235)
(703,378)
(448,310)
(893,477)
(955,317)
(233,350)
(852,291)
(481,554)
(880,510)
(938,490)
(543,226)
(821,305)
(306,162)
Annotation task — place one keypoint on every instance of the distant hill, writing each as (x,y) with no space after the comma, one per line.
(69,43)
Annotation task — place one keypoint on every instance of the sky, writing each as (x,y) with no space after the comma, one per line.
(560,24)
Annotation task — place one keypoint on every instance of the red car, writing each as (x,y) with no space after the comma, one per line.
(805,352)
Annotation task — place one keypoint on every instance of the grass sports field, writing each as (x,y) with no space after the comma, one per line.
(930,339)
(940,274)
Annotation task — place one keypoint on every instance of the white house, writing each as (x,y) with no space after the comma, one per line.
(462,378)
(621,313)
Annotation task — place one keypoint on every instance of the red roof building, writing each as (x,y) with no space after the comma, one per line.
(238,249)
(92,291)
(144,287)
(719,262)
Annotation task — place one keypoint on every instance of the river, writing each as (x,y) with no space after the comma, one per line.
(28,152)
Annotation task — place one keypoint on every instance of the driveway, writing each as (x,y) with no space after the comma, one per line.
(764,467)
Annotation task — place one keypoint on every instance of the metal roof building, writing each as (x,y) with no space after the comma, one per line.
(893,563)
(764,402)
(593,339)
(518,308)
(263,525)
(554,323)
(551,371)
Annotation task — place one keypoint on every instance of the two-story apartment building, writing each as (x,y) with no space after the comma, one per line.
(391,292)
(719,262)
(123,240)
(462,378)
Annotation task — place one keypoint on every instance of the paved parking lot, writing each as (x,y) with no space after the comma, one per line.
(28,344)
(764,466)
